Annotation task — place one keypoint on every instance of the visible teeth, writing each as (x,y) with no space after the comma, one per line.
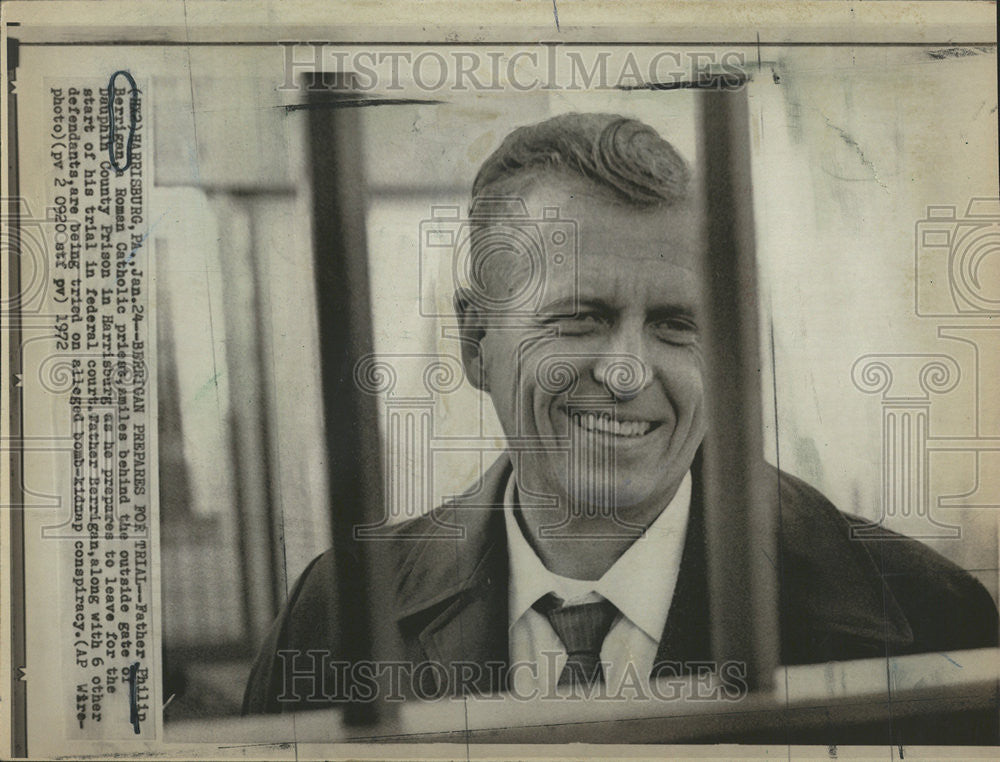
(605,423)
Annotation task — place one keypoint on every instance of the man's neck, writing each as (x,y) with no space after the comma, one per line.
(584,547)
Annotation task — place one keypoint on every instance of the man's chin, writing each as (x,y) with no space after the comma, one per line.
(626,497)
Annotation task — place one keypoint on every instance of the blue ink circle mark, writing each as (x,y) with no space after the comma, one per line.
(132,110)
(133,703)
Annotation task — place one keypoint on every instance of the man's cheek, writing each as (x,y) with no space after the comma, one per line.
(536,344)
(545,367)
(690,385)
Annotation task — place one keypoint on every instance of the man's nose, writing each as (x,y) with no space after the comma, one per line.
(623,374)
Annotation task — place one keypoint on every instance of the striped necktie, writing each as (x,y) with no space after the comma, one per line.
(582,629)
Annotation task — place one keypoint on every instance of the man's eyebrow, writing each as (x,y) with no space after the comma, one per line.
(663,311)
(571,305)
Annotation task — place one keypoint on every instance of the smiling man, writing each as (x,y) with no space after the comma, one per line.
(580,561)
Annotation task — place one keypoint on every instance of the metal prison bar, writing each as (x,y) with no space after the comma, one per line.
(741,510)
(345,333)
(741,497)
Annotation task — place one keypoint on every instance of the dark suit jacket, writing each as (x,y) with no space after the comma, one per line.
(840,598)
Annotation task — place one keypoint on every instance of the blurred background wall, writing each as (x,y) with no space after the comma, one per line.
(244,502)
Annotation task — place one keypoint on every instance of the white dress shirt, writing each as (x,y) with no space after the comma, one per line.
(640,584)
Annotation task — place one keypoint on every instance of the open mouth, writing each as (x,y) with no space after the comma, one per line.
(605,423)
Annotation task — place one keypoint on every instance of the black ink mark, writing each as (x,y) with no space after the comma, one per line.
(946,53)
(555,12)
(360,103)
(133,702)
(704,82)
(850,141)
(133,108)
(684,85)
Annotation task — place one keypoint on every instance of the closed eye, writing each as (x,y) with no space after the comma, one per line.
(583,324)
(676,330)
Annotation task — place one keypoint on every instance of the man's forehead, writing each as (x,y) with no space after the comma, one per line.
(614,280)
(609,227)
(622,278)
(578,224)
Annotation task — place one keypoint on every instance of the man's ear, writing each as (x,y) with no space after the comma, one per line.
(471,333)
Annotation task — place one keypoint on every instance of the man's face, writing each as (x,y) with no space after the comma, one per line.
(636,410)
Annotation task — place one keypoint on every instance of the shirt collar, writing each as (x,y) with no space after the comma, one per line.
(640,583)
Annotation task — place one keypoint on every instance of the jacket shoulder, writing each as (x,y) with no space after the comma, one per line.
(946,607)
(307,622)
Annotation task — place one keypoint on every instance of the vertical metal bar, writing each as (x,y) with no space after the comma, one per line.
(351,418)
(741,496)
(248,431)
(263,348)
(18,693)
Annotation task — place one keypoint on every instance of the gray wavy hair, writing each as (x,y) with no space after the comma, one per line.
(623,156)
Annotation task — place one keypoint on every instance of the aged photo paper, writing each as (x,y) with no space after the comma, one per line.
(505,380)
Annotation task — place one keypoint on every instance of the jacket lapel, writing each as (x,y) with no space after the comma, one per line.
(834,602)
(686,634)
(452,586)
